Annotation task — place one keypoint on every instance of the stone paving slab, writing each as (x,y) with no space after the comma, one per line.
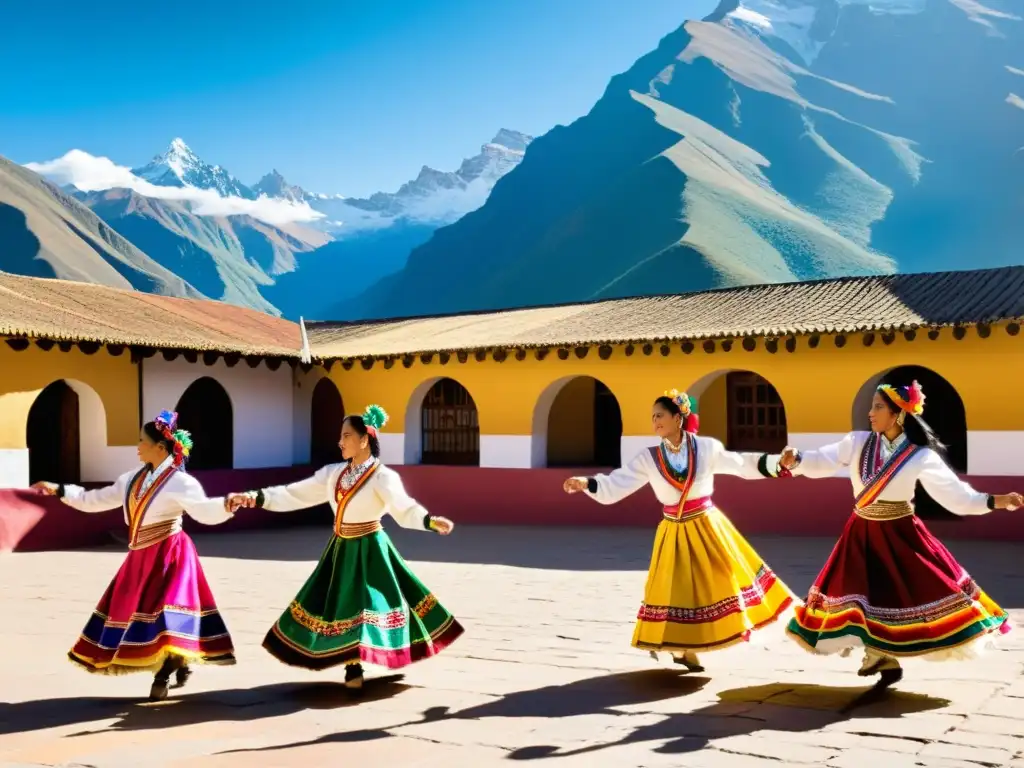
(544,675)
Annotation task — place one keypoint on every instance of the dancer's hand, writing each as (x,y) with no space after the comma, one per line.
(441,525)
(49,489)
(789,458)
(1010,501)
(575,485)
(236,501)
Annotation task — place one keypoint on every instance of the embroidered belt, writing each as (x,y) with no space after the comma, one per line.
(358,530)
(885,510)
(148,535)
(692,509)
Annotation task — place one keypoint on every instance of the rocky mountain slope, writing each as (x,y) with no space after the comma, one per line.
(775,140)
(45,232)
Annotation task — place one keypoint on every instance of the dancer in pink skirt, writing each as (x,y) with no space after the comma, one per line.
(158,613)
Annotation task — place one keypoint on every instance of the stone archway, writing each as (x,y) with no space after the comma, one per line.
(205,410)
(53,436)
(327,411)
(442,425)
(577,422)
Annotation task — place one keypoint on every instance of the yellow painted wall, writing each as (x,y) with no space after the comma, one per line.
(817,386)
(571,425)
(24,374)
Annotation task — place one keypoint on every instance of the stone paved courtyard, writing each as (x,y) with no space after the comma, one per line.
(544,675)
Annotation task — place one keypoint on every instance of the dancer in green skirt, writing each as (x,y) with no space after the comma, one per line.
(362,603)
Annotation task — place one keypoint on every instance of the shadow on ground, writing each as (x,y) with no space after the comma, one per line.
(235,705)
(778,707)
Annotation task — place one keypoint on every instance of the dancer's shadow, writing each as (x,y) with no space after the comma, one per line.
(594,695)
(779,707)
(743,711)
(233,705)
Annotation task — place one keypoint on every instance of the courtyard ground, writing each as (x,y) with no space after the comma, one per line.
(544,675)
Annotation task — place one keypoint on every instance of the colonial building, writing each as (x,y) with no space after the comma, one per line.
(534,390)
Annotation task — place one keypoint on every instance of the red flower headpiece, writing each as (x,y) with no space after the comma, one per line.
(909,399)
(180,439)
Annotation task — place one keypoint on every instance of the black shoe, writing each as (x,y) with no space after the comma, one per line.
(888,677)
(354,677)
(158,691)
(690,666)
(181,676)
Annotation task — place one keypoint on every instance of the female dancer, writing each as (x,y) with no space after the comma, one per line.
(707,588)
(362,603)
(158,613)
(890,587)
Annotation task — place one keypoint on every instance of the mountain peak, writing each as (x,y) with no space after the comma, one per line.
(273,184)
(179,166)
(179,147)
(514,140)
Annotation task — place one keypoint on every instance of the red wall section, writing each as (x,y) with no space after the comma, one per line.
(471,495)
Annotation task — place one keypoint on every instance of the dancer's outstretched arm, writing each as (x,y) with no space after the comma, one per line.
(286,498)
(98,500)
(406,511)
(749,466)
(954,494)
(615,486)
(199,506)
(821,462)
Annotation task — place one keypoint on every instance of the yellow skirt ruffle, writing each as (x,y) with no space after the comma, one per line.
(706,589)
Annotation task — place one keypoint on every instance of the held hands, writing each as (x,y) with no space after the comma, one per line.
(789,458)
(441,525)
(236,501)
(47,489)
(1010,501)
(575,485)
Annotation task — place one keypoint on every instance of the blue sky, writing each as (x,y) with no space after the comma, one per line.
(341,97)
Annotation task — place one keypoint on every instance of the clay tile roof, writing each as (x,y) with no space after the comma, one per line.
(847,305)
(63,310)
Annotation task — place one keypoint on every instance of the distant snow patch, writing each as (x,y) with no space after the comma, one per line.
(94,174)
(1014,100)
(981,14)
(1014,70)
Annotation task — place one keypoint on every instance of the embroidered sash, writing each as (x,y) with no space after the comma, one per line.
(875,477)
(677,480)
(137,502)
(342,497)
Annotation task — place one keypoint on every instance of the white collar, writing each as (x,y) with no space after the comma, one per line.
(163,465)
(892,445)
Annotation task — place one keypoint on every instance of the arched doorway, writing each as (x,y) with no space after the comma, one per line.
(584,426)
(53,436)
(755,413)
(326,414)
(944,412)
(205,410)
(450,426)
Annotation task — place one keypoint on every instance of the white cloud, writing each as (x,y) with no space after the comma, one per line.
(95,174)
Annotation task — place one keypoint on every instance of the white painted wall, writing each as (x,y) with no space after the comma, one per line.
(392,448)
(995,453)
(261,400)
(303,385)
(506,451)
(13,467)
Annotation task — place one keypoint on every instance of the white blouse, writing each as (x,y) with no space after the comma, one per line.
(182,493)
(926,467)
(712,459)
(381,494)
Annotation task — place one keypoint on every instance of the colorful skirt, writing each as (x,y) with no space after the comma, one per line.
(158,605)
(707,588)
(892,587)
(361,604)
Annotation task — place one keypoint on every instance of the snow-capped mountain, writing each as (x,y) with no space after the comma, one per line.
(274,185)
(444,196)
(179,166)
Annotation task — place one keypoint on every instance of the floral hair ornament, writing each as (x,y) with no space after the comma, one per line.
(909,399)
(691,422)
(375,417)
(180,439)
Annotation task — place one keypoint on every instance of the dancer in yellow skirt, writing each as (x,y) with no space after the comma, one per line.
(707,588)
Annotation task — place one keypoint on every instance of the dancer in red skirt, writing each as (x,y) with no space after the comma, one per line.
(158,613)
(890,587)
